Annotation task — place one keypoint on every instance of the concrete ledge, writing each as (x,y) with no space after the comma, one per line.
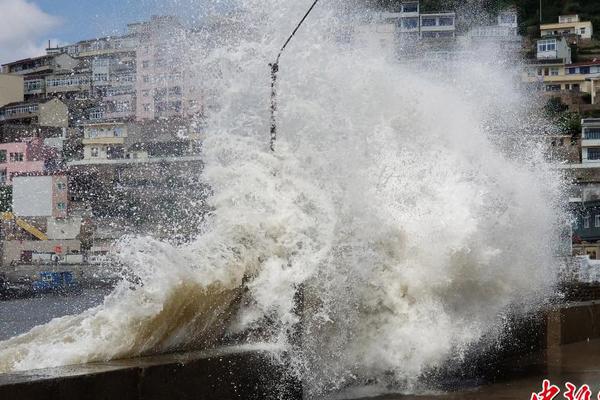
(230,373)
(573,322)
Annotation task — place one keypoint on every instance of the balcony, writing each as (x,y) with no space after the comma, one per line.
(104,140)
(117,161)
(590,143)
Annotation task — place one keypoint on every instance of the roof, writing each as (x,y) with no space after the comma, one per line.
(27,60)
(562,24)
(20,103)
(585,63)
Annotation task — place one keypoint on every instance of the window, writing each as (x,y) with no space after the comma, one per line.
(61,186)
(428,22)
(586,222)
(145,64)
(554,71)
(546,45)
(446,21)
(146,107)
(410,23)
(16,157)
(597,221)
(410,7)
(61,206)
(593,153)
(508,18)
(94,152)
(591,133)
(175,90)
(582,31)
(146,78)
(145,93)
(2,156)
(119,132)
(584,70)
(552,88)
(571,71)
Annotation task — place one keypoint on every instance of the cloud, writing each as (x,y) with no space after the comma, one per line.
(24,29)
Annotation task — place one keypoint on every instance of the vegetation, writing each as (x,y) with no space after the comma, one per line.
(568,122)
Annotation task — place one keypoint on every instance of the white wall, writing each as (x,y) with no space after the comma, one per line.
(67,228)
(32,196)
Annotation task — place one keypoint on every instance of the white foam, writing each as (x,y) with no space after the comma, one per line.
(410,215)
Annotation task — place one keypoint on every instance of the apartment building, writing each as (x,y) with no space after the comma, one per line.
(590,141)
(438,25)
(568,25)
(30,155)
(160,67)
(40,65)
(505,30)
(40,194)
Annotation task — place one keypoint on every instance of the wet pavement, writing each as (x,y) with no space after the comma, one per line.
(19,316)
(577,363)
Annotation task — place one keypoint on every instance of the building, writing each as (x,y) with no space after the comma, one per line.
(27,156)
(40,65)
(403,27)
(11,89)
(133,143)
(36,112)
(553,49)
(568,25)
(438,25)
(590,141)
(160,68)
(505,30)
(41,195)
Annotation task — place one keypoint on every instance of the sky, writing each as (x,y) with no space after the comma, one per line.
(27,25)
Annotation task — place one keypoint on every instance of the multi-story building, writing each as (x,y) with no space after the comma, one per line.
(590,141)
(403,27)
(30,155)
(41,194)
(40,65)
(438,25)
(568,25)
(506,29)
(160,68)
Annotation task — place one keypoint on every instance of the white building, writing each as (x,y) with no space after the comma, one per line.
(506,29)
(590,140)
(438,25)
(553,48)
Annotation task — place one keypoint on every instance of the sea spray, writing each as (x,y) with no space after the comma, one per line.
(410,217)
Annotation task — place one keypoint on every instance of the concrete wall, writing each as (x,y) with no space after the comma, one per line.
(11,89)
(67,228)
(574,322)
(33,196)
(213,375)
(54,113)
(11,250)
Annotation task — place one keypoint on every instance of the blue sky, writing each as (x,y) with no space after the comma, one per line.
(85,18)
(27,25)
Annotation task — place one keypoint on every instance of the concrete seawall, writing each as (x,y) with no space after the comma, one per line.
(244,372)
(231,373)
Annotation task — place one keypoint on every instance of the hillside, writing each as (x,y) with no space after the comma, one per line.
(528,10)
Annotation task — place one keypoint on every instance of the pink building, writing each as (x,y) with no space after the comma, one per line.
(28,156)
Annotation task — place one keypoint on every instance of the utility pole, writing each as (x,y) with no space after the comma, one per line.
(274,70)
